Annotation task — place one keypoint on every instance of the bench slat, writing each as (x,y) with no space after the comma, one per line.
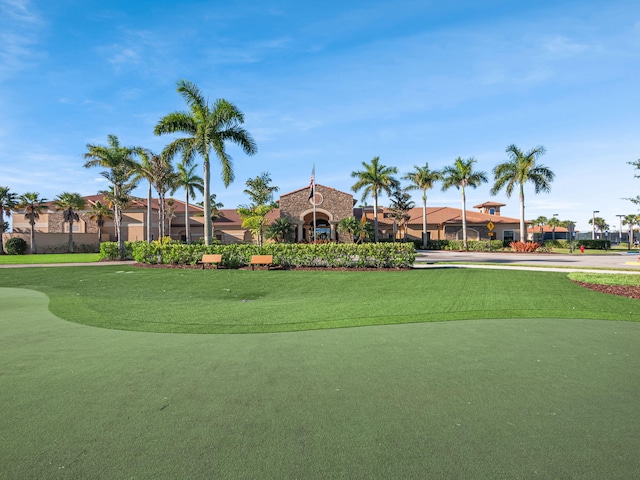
(213,258)
(261,260)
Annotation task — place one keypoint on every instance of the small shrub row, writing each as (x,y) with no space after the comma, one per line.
(472,245)
(109,250)
(286,255)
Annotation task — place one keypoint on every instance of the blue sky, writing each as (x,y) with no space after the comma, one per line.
(333,84)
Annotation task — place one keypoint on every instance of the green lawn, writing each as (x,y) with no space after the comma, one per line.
(48,258)
(482,399)
(245,301)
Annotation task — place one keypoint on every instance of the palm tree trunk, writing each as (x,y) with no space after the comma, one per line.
(32,237)
(523,231)
(149,213)
(70,245)
(208,233)
(186,221)
(1,228)
(464,220)
(375,218)
(424,220)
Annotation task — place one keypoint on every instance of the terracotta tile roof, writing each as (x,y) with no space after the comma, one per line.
(231,218)
(490,204)
(439,215)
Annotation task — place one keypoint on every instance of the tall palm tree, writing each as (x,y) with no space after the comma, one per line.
(121,165)
(8,201)
(208,127)
(190,182)
(462,175)
(99,214)
(33,206)
(422,178)
(518,170)
(375,179)
(158,170)
(70,203)
(144,171)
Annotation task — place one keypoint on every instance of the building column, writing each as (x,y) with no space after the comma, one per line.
(300,231)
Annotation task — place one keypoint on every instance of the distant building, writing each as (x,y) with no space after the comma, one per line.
(331,206)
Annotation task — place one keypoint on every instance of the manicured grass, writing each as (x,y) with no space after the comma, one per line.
(606,279)
(244,301)
(484,399)
(48,258)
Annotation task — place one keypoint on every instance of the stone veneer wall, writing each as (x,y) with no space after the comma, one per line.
(340,204)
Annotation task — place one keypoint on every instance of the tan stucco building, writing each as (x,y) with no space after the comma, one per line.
(331,206)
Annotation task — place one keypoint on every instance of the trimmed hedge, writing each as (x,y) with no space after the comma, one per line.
(595,244)
(285,255)
(473,245)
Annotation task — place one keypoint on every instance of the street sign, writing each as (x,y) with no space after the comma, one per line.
(490,225)
(492,234)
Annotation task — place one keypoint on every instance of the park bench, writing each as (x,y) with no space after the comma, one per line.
(261,260)
(210,259)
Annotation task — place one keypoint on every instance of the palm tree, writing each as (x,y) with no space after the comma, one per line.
(518,170)
(158,169)
(401,204)
(99,213)
(554,222)
(375,179)
(351,226)
(208,127)
(422,178)
(144,171)
(33,205)
(122,167)
(541,221)
(190,182)
(254,215)
(280,229)
(69,203)
(461,175)
(631,220)
(8,201)
(599,223)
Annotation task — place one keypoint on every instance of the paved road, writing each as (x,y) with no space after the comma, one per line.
(614,261)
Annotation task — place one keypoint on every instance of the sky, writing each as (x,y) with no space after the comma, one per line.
(334,84)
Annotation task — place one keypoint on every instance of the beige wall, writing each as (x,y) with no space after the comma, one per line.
(53,242)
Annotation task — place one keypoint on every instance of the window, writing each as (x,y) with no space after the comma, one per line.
(492,211)
(508,235)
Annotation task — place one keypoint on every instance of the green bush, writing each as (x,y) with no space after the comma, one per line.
(286,255)
(594,244)
(109,250)
(557,243)
(15,246)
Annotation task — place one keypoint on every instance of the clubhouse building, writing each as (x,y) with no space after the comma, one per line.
(330,206)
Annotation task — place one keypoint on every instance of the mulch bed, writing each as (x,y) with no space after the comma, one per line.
(312,269)
(620,290)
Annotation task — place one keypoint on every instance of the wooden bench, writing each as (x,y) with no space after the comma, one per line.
(210,259)
(261,260)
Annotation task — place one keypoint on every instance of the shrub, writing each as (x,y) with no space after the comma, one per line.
(109,250)
(557,243)
(595,244)
(286,255)
(524,247)
(15,246)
